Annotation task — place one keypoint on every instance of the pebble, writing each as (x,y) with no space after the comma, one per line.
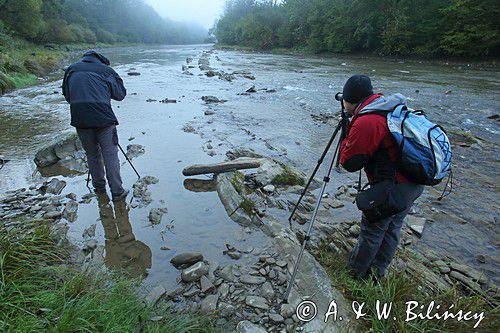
(257,302)
(250,279)
(186,259)
(194,272)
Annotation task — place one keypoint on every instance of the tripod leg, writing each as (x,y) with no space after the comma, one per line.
(326,180)
(129,161)
(320,161)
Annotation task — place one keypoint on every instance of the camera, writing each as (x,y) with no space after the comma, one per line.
(339,97)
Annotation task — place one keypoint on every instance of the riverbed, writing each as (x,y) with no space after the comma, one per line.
(290,117)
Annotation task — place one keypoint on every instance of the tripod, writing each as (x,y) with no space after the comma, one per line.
(128,160)
(340,129)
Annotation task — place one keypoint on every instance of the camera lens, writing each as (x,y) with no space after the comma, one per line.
(339,97)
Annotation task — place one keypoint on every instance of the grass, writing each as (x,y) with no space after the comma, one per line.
(248,206)
(237,181)
(288,177)
(39,292)
(399,289)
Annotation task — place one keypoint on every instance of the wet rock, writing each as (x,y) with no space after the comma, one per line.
(257,302)
(155,294)
(89,232)
(212,99)
(189,60)
(71,196)
(186,259)
(416,224)
(151,100)
(206,285)
(269,188)
(70,211)
(276,318)
(250,279)
(90,245)
(168,101)
(332,203)
(267,291)
(209,113)
(133,73)
(448,92)
(51,215)
(63,146)
(236,255)
(187,73)
(188,128)
(469,271)
(250,77)
(287,310)
(481,258)
(251,90)
(156,214)
(55,186)
(209,304)
(194,272)
(246,326)
(135,150)
(227,274)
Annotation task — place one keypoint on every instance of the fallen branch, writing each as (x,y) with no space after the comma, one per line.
(238,164)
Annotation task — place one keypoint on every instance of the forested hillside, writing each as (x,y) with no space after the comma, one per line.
(90,21)
(463,28)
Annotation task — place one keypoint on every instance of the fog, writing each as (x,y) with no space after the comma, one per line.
(203,12)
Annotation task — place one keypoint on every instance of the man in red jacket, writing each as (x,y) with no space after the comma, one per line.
(370,145)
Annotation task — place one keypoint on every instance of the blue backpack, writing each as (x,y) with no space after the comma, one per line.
(425,150)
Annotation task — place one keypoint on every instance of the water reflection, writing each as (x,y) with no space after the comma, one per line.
(123,251)
(200,185)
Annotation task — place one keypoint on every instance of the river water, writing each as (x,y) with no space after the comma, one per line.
(282,124)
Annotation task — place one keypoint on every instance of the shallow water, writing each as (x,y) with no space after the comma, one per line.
(275,124)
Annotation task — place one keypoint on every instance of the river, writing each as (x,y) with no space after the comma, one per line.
(292,121)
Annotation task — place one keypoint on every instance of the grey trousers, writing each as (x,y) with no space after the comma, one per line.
(378,241)
(101,148)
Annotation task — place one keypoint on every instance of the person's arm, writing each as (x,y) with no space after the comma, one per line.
(65,87)
(364,139)
(118,91)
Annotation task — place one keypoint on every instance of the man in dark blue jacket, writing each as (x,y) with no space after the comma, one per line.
(89,85)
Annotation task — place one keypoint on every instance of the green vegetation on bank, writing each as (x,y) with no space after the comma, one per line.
(458,28)
(398,289)
(40,292)
(35,34)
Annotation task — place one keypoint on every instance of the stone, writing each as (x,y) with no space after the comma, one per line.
(209,304)
(250,279)
(133,73)
(267,291)
(63,146)
(186,259)
(194,272)
(276,318)
(54,214)
(155,294)
(269,188)
(227,274)
(416,224)
(156,214)
(354,230)
(212,99)
(55,186)
(287,310)
(206,285)
(234,254)
(135,150)
(90,245)
(257,302)
(89,232)
(470,272)
(246,326)
(223,290)
(70,211)
(209,113)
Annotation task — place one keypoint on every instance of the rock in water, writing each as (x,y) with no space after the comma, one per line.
(135,150)
(156,214)
(70,211)
(247,327)
(55,186)
(194,272)
(134,73)
(212,99)
(206,285)
(186,259)
(63,146)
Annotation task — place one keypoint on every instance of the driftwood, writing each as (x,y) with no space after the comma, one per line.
(238,164)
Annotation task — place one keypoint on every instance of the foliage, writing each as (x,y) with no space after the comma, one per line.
(288,177)
(466,28)
(90,21)
(38,293)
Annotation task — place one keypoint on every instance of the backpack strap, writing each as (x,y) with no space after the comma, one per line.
(398,110)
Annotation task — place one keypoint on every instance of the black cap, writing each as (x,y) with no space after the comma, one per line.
(100,57)
(357,88)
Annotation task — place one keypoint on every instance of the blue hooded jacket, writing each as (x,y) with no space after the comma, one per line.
(89,85)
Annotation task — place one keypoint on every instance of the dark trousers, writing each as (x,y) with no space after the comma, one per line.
(378,241)
(101,148)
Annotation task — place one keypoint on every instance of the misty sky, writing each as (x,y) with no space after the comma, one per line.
(203,12)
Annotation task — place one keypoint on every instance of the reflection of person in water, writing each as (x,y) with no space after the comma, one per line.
(123,251)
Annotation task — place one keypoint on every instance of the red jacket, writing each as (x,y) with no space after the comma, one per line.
(369,144)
